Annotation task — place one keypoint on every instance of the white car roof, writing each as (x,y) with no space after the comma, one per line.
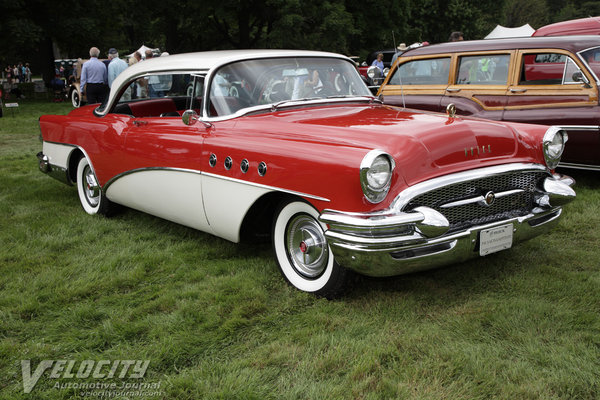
(202,61)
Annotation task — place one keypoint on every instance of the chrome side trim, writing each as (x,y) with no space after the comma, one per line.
(259,185)
(579,127)
(579,166)
(192,171)
(405,196)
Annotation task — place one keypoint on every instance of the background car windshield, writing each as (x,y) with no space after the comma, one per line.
(592,58)
(257,82)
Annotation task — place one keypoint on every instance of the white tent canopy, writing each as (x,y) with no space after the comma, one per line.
(142,51)
(504,32)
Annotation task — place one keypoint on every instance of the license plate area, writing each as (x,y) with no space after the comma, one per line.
(495,239)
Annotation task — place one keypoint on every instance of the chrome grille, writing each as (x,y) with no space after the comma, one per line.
(465,216)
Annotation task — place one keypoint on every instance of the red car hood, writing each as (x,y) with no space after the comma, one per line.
(423,144)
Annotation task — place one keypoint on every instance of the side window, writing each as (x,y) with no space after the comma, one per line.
(547,69)
(431,71)
(154,86)
(483,70)
(157,95)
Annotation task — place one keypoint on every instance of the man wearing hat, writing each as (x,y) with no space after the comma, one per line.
(115,67)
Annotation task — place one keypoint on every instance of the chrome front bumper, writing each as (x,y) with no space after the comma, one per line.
(393,243)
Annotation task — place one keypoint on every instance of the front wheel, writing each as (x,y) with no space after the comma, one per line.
(302,252)
(91,197)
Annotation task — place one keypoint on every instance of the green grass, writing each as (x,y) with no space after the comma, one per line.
(216,320)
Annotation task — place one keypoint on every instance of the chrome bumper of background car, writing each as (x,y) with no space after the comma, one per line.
(394,243)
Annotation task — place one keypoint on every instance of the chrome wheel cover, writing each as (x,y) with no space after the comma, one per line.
(88,179)
(306,246)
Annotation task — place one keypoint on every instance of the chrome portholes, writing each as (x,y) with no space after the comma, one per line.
(228,163)
(244,165)
(262,168)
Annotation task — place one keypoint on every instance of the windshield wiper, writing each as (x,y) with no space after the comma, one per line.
(275,106)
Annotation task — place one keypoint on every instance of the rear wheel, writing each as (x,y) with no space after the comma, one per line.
(91,197)
(302,252)
(75,100)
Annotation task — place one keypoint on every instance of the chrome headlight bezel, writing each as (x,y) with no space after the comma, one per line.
(376,170)
(553,145)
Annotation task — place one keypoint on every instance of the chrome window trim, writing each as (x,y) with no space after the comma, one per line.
(423,187)
(112,101)
(226,178)
(582,59)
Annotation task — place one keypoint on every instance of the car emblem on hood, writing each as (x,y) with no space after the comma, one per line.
(471,151)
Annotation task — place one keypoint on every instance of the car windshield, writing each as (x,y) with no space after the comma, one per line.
(592,58)
(276,81)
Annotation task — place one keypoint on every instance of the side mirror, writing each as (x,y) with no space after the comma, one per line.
(190,117)
(578,76)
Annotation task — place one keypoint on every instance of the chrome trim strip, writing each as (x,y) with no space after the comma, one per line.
(259,185)
(77,147)
(192,171)
(579,127)
(406,195)
(579,166)
(479,199)
(337,218)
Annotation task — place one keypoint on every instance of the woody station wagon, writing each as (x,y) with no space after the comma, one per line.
(545,80)
(291,144)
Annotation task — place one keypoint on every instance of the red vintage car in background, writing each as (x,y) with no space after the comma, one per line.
(291,143)
(582,26)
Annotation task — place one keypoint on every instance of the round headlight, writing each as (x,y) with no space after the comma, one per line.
(376,175)
(371,72)
(554,144)
(386,71)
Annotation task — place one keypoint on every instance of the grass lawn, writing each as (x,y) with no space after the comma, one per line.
(216,319)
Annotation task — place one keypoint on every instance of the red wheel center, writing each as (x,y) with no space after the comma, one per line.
(303,247)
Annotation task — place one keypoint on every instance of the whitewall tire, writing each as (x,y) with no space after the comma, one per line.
(75,100)
(302,253)
(91,197)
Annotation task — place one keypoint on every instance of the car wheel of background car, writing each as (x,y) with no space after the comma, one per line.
(75,100)
(302,252)
(91,197)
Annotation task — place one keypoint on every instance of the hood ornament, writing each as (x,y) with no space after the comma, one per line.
(451,110)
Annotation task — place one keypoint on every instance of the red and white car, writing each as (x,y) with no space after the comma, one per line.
(291,143)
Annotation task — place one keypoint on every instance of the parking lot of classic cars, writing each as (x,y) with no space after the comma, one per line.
(293,144)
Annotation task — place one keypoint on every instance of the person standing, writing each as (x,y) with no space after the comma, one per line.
(94,78)
(378,62)
(115,67)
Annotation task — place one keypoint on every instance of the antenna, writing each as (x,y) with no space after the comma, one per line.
(399,74)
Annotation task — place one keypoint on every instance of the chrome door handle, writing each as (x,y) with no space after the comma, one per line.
(452,90)
(518,90)
(138,123)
